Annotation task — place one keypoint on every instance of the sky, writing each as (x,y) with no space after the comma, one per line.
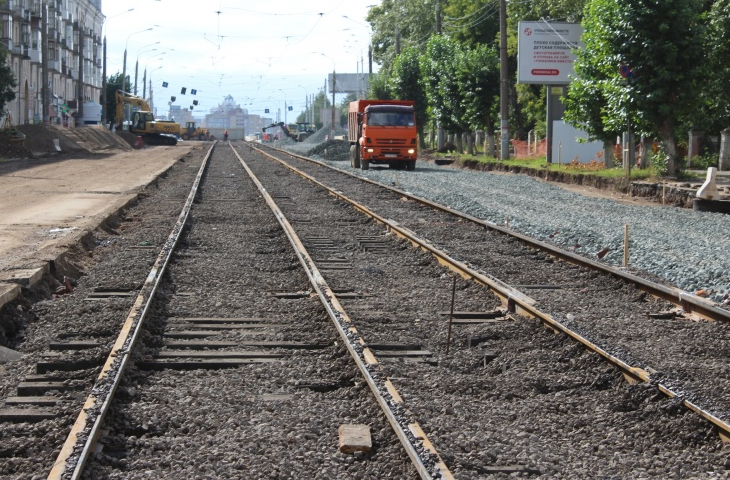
(263,54)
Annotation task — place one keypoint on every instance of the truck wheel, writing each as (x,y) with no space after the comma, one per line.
(354,156)
(411,165)
(365,164)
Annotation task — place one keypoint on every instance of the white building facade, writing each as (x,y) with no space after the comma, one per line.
(73,56)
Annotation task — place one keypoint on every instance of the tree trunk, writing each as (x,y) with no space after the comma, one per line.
(459,144)
(666,133)
(421,139)
(470,143)
(645,152)
(608,153)
(490,139)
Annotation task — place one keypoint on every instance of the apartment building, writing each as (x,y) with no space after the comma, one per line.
(73,58)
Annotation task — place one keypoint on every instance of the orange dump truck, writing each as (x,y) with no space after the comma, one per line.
(382,132)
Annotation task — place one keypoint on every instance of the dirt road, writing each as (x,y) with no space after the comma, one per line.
(47,204)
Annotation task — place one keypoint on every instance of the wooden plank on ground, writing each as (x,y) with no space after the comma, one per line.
(26,414)
(355,438)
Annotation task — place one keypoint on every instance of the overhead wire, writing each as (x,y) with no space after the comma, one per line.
(565,40)
(446,17)
(476,22)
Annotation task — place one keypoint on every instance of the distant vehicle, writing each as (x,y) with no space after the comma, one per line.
(153,132)
(298,132)
(190,131)
(382,132)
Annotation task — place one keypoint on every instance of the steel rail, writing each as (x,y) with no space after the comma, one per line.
(365,359)
(81,441)
(689,302)
(519,303)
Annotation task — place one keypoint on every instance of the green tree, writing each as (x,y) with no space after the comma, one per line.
(662,42)
(8,81)
(471,22)
(438,66)
(113,83)
(596,100)
(378,85)
(715,96)
(320,102)
(405,84)
(415,21)
(478,77)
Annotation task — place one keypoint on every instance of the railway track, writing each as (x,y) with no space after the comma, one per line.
(653,327)
(458,367)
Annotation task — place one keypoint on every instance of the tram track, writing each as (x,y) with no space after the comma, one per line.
(682,375)
(490,401)
(184,344)
(560,287)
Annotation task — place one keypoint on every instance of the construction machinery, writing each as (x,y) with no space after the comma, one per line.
(297,132)
(190,131)
(382,132)
(143,123)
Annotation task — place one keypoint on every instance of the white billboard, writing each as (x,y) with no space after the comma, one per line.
(545,52)
(349,82)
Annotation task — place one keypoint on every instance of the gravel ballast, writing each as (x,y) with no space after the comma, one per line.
(685,248)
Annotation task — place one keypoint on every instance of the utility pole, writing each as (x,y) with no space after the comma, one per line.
(440,129)
(370,59)
(103,86)
(504,85)
(80,106)
(45,104)
(324,102)
(332,125)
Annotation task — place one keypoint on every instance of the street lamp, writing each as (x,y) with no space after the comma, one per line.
(136,65)
(152,103)
(144,77)
(103,73)
(370,42)
(334,83)
(124,64)
(282,91)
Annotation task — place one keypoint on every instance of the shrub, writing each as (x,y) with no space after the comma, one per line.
(705,161)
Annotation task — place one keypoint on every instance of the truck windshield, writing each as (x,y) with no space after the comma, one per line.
(390,119)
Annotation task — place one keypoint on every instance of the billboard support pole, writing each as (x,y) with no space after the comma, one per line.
(549,127)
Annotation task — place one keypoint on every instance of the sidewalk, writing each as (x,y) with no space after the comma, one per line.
(49,205)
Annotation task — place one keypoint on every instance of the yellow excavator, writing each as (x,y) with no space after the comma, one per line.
(297,132)
(153,132)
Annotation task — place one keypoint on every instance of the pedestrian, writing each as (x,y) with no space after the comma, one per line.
(225,136)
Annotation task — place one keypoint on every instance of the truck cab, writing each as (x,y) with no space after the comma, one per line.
(382,132)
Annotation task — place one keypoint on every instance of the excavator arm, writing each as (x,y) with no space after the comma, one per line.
(124,97)
(283,127)
(154,132)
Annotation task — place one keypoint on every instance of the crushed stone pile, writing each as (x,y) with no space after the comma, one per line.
(337,150)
